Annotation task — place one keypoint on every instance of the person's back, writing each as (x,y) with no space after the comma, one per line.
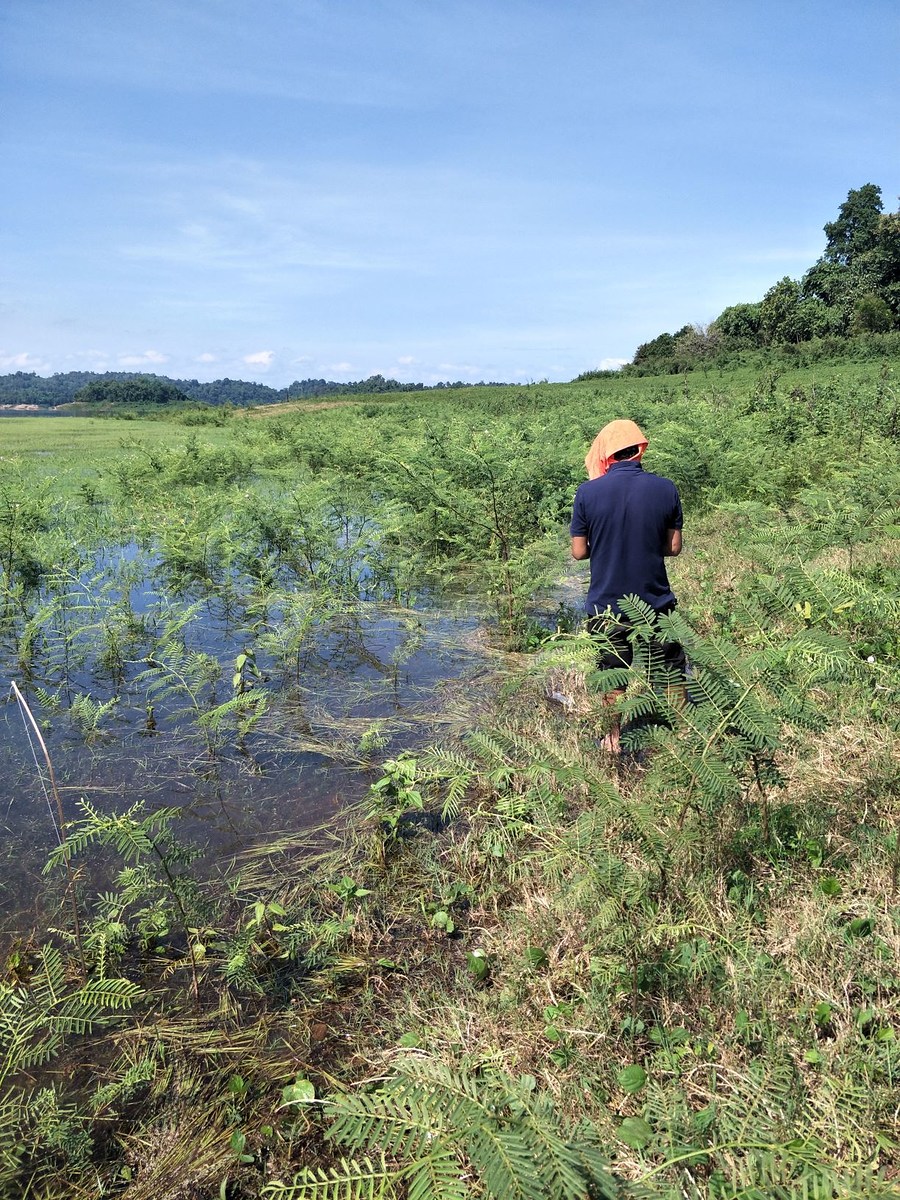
(626,516)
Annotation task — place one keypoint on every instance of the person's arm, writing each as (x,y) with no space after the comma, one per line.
(673,543)
(579,529)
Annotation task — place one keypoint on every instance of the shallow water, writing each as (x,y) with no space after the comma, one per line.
(373,670)
(11,411)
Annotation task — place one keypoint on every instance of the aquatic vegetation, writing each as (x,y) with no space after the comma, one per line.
(515,967)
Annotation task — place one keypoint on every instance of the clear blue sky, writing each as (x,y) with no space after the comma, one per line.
(430,189)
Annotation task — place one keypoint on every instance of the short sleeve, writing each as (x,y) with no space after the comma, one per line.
(676,520)
(578,527)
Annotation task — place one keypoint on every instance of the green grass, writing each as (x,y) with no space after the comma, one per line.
(685,970)
(74,449)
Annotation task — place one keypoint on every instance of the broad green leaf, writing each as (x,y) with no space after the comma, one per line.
(478,964)
(299,1092)
(632,1079)
(635,1132)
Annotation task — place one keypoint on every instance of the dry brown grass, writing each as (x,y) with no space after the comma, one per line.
(292,406)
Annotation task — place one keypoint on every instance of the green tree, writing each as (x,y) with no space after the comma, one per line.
(146,389)
(855,231)
(871,314)
(813,318)
(661,347)
(887,252)
(779,312)
(853,288)
(698,344)
(861,264)
(825,281)
(739,325)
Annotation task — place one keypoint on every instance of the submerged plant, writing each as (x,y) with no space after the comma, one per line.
(87,714)
(155,896)
(174,673)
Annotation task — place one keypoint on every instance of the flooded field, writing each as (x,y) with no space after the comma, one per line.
(245,620)
(254,718)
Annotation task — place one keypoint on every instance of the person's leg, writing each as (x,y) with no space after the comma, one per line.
(675,663)
(616,654)
(610,741)
(666,665)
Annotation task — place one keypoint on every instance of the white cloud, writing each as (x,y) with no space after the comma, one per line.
(206,358)
(341,366)
(142,360)
(87,360)
(24,362)
(262,358)
(460,369)
(406,360)
(612,364)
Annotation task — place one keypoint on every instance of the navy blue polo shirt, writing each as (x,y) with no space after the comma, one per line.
(626,516)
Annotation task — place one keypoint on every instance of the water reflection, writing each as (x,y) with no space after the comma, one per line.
(115,738)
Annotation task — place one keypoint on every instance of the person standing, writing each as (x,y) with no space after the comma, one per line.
(627,521)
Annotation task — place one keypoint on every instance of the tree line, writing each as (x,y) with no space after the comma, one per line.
(133,388)
(852,291)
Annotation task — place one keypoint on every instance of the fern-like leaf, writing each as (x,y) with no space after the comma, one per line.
(351,1179)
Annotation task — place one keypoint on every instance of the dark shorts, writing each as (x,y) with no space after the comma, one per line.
(616,629)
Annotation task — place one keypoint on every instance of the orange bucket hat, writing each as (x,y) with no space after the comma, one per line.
(617,435)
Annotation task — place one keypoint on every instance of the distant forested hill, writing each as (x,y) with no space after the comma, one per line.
(63,388)
(89,387)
